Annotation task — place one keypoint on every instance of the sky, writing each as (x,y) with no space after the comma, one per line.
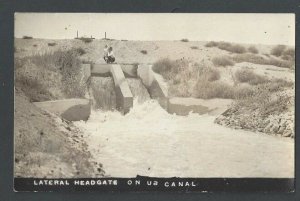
(240,28)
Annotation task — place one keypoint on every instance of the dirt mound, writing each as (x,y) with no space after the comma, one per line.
(48,146)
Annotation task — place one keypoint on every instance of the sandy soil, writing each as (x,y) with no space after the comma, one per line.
(46,146)
(150,142)
(129,51)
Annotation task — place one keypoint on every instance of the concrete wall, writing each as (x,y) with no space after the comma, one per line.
(69,109)
(86,70)
(143,72)
(129,70)
(124,97)
(155,84)
(103,70)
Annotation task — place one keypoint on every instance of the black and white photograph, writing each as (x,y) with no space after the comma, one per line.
(115,101)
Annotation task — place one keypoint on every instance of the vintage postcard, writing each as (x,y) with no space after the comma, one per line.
(154,102)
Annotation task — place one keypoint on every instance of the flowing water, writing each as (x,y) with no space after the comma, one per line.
(149,141)
(103,93)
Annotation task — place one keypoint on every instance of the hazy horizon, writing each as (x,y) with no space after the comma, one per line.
(268,29)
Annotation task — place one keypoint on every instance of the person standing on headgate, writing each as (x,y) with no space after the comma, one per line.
(110,56)
(105,53)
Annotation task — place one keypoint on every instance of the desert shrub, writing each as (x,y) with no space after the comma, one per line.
(231,48)
(35,45)
(287,57)
(211,44)
(32,88)
(184,40)
(86,40)
(245,75)
(288,54)
(256,59)
(207,90)
(280,63)
(166,67)
(278,50)
(27,37)
(222,61)
(80,51)
(194,47)
(51,44)
(237,49)
(253,49)
(211,74)
(224,45)
(144,51)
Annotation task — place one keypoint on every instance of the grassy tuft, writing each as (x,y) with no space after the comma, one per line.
(222,61)
(144,51)
(27,37)
(194,47)
(184,40)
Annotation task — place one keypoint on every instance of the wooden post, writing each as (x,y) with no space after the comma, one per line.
(105,35)
(77,33)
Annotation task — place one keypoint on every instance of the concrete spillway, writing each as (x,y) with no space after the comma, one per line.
(123,93)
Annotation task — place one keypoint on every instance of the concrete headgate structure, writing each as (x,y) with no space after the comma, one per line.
(119,72)
(80,109)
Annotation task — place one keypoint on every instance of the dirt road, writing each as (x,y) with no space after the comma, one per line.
(150,142)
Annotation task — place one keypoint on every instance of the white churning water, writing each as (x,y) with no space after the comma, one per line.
(148,141)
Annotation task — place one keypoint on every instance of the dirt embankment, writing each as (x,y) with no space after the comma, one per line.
(279,122)
(47,146)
